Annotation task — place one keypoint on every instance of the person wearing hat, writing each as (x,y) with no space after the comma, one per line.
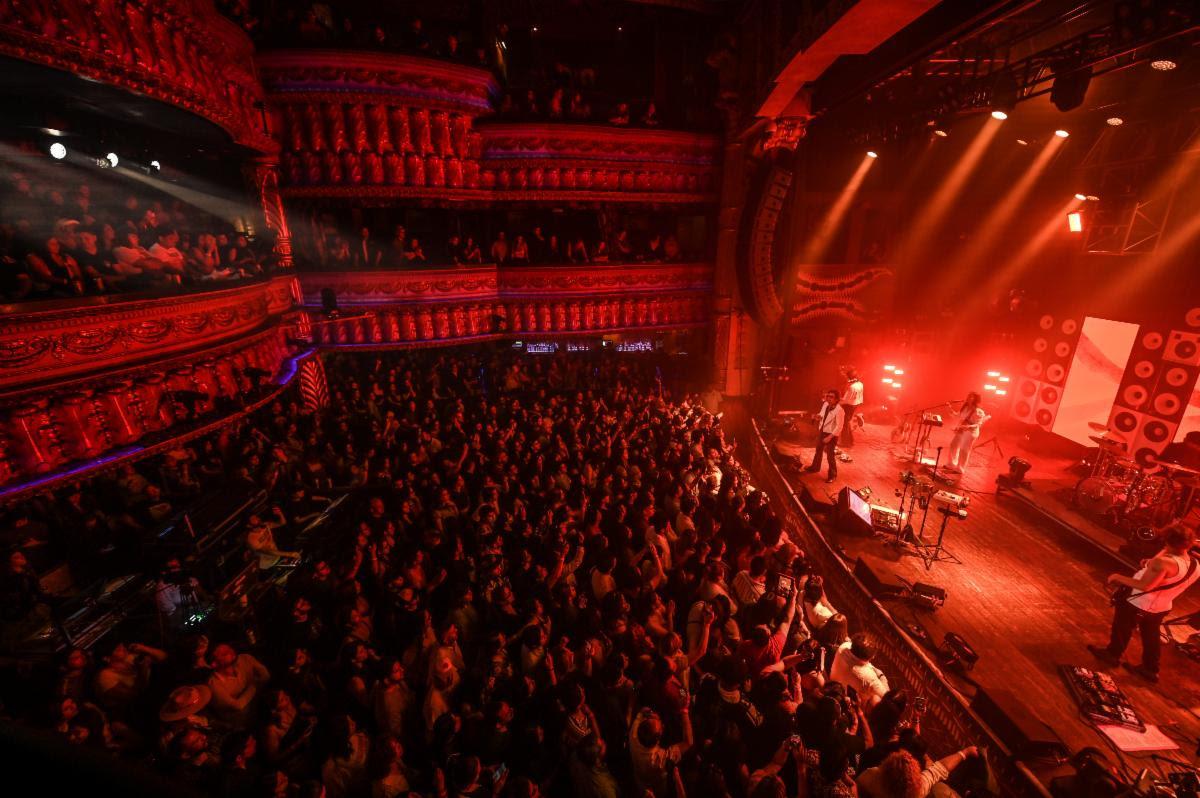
(183,709)
(186,704)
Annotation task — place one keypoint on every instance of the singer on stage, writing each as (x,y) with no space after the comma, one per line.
(829,424)
(970,418)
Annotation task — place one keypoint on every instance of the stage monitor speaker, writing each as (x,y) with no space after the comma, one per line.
(1026,735)
(853,514)
(874,585)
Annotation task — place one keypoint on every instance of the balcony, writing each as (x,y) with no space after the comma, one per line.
(181,52)
(381,126)
(404,308)
(89,384)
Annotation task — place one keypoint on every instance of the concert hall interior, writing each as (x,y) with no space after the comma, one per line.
(671,398)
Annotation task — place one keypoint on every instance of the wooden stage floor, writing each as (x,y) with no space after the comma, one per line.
(1028,595)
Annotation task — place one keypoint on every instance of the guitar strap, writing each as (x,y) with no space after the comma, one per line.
(1188,575)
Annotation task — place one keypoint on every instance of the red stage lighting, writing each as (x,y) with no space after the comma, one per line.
(1075,222)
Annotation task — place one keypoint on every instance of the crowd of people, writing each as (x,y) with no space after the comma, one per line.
(365,251)
(558,581)
(65,234)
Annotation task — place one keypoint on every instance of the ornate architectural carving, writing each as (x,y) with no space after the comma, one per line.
(263,175)
(181,52)
(378,127)
(490,283)
(340,76)
(53,344)
(414,308)
(45,431)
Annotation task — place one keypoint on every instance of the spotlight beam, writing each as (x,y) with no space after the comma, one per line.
(996,222)
(817,245)
(928,222)
(1016,265)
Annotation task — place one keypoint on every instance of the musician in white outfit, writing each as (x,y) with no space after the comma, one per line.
(1146,598)
(970,418)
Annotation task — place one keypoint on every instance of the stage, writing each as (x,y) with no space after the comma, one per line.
(1029,592)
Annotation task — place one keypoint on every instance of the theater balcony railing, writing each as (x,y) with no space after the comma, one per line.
(181,52)
(377,127)
(89,384)
(428,306)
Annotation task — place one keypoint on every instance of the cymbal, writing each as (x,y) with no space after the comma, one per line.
(1180,469)
(1110,444)
(1096,426)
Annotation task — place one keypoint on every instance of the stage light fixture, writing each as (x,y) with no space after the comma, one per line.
(887,380)
(1005,378)
(58,151)
(940,133)
(1075,222)
(1092,198)
(1164,64)
(156,166)
(1081,197)
(112,159)
(872,154)
(1001,392)
(989,387)
(898,372)
(993,374)
(889,368)
(897,385)
(1062,134)
(1070,87)
(1023,142)
(534,29)
(1017,469)
(1004,95)
(1114,121)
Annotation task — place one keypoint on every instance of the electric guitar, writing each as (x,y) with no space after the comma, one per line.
(1125,592)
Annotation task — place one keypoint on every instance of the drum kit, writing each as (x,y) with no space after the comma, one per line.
(1126,494)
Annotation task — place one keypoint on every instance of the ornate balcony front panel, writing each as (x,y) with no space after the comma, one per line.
(48,346)
(92,383)
(440,305)
(181,52)
(126,413)
(550,161)
(369,122)
(383,126)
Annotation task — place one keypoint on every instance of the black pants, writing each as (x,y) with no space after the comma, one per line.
(847,434)
(827,449)
(1126,618)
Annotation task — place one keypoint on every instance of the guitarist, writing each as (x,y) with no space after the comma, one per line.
(1144,599)
(970,418)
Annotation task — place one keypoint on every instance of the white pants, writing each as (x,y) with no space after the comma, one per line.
(960,447)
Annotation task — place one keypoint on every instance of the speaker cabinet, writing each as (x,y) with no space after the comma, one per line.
(1018,728)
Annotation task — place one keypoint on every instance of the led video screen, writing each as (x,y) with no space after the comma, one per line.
(1094,377)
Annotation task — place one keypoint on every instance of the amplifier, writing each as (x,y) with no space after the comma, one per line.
(885,519)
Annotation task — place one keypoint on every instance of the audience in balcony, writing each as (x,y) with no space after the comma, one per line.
(528,593)
(71,236)
(518,249)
